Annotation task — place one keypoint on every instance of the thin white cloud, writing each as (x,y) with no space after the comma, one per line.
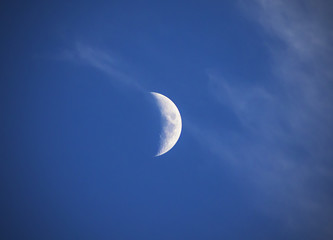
(102,61)
(284,145)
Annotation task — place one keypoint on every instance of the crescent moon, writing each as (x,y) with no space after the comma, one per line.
(171,123)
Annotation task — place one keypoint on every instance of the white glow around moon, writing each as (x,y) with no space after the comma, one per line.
(171,123)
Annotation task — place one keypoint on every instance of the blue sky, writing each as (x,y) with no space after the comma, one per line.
(79,127)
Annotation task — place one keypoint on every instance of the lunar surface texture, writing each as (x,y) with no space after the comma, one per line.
(171,123)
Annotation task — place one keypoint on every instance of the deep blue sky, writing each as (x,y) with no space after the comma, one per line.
(79,129)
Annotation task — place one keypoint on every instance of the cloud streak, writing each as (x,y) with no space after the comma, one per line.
(284,145)
(103,62)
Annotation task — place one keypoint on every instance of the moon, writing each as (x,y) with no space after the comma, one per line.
(171,123)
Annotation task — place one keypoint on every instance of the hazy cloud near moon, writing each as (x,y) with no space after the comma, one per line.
(171,122)
(104,62)
(285,146)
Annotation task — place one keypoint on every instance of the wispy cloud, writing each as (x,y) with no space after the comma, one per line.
(102,61)
(284,145)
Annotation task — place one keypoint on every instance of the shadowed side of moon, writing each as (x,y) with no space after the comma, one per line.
(138,121)
(95,125)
